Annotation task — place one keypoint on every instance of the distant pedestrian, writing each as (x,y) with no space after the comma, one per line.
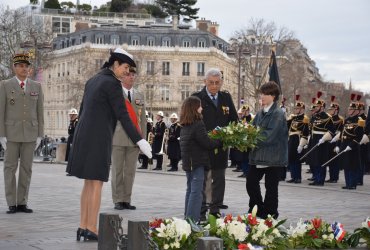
(73,119)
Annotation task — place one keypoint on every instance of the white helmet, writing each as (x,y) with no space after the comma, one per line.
(73,111)
(146,113)
(160,113)
(173,115)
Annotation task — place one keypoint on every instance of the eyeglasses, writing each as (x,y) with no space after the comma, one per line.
(215,83)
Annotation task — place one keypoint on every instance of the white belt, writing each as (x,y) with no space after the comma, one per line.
(318,132)
(294,133)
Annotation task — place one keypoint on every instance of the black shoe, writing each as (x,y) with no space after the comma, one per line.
(237,170)
(12,210)
(327,180)
(157,168)
(90,236)
(80,232)
(142,167)
(24,209)
(118,206)
(242,176)
(311,179)
(351,187)
(345,187)
(333,181)
(68,174)
(298,181)
(127,205)
(223,206)
(316,184)
(172,170)
(291,181)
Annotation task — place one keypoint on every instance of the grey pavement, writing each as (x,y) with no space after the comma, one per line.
(54,197)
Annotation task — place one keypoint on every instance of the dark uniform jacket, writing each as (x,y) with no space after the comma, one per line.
(298,128)
(338,122)
(173,148)
(102,105)
(351,136)
(195,146)
(71,131)
(214,116)
(158,131)
(320,123)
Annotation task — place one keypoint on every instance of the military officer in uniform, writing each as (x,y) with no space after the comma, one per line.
(218,110)
(349,144)
(298,134)
(124,151)
(21,131)
(73,114)
(365,141)
(173,145)
(159,133)
(322,131)
(149,136)
(338,121)
(363,148)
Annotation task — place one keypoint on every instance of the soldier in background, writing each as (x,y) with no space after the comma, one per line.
(349,146)
(322,131)
(245,118)
(159,133)
(73,114)
(149,136)
(338,122)
(363,148)
(173,148)
(365,141)
(298,134)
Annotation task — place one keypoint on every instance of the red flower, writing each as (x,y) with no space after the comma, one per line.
(156,223)
(214,132)
(252,220)
(316,222)
(243,246)
(312,232)
(268,223)
(228,218)
(239,219)
(368,223)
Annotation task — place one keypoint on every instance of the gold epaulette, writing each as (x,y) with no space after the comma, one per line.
(361,122)
(306,119)
(341,118)
(328,114)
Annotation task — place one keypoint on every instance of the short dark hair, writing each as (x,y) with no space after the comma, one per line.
(270,88)
(189,111)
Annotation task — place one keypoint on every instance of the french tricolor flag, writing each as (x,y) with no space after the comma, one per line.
(339,232)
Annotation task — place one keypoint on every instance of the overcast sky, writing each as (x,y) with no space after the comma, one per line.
(335,32)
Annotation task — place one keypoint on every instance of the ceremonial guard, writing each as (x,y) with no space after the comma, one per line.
(349,145)
(322,131)
(363,148)
(173,147)
(245,118)
(150,137)
(21,131)
(365,141)
(158,142)
(73,114)
(298,134)
(338,121)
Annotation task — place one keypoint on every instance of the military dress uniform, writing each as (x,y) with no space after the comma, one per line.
(159,132)
(350,160)
(338,122)
(298,134)
(144,158)
(71,131)
(173,146)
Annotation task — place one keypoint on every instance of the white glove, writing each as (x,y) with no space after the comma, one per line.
(38,141)
(321,141)
(145,148)
(305,146)
(336,149)
(348,148)
(299,149)
(364,140)
(3,142)
(333,140)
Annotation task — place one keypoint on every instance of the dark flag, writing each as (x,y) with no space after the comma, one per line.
(273,70)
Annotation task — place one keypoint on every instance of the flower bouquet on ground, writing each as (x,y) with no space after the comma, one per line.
(361,236)
(173,233)
(237,135)
(248,232)
(317,234)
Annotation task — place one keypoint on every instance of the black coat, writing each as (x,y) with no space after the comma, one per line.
(298,128)
(195,146)
(102,106)
(158,131)
(173,148)
(213,116)
(71,131)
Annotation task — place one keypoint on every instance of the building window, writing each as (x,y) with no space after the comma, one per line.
(114,39)
(135,40)
(99,39)
(166,42)
(201,43)
(150,41)
(200,68)
(186,42)
(186,68)
(166,68)
(185,91)
(150,67)
(164,91)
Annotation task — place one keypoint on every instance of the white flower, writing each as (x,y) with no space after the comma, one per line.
(238,229)
(254,211)
(331,236)
(324,236)
(166,246)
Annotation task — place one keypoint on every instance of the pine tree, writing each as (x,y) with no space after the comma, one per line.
(182,8)
(52,4)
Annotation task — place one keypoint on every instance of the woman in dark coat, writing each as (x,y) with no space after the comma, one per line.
(102,105)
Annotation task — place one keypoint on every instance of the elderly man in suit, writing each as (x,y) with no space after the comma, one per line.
(124,151)
(218,110)
(21,130)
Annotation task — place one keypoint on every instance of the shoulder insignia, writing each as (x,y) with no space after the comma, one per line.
(361,122)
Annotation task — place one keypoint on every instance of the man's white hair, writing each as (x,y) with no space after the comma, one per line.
(214,72)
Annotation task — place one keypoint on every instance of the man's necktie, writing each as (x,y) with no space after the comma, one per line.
(129,95)
(22,85)
(214,100)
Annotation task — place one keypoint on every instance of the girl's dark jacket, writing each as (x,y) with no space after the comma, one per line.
(273,151)
(195,146)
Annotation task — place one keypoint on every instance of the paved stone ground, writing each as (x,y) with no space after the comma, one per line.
(55,200)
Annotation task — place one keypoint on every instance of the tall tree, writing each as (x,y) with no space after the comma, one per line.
(52,4)
(120,5)
(155,10)
(183,8)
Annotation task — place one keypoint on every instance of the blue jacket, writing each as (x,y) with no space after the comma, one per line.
(273,151)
